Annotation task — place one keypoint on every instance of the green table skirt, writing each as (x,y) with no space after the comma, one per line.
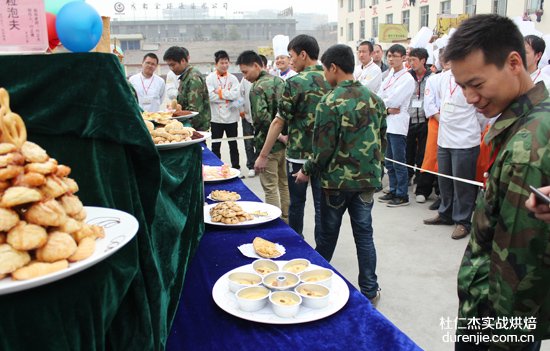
(80,109)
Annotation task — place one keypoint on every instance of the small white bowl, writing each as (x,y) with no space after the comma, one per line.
(281,281)
(239,280)
(285,304)
(264,266)
(296,266)
(253,298)
(313,295)
(321,276)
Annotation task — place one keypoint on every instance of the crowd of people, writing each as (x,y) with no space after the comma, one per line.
(478,118)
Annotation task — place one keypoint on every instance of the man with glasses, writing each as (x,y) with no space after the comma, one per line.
(149,87)
(396,91)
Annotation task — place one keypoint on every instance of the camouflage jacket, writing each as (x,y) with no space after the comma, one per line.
(264,97)
(301,95)
(505,271)
(193,96)
(350,125)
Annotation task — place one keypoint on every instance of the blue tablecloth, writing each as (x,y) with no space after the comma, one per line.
(201,325)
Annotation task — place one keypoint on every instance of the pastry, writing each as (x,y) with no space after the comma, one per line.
(37,269)
(12,259)
(58,247)
(26,236)
(33,152)
(18,195)
(85,249)
(265,248)
(48,213)
(8,219)
(224,195)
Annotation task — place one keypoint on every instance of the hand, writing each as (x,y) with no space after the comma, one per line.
(300,177)
(541,211)
(241,114)
(260,164)
(283,138)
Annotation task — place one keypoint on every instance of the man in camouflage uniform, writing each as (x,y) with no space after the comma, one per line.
(265,94)
(192,91)
(297,107)
(347,153)
(505,272)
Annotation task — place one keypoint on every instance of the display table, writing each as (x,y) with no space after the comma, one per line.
(80,109)
(201,325)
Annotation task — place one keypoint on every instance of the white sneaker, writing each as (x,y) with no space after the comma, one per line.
(420,199)
(251,173)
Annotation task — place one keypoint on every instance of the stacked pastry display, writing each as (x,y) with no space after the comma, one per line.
(229,212)
(172,132)
(42,225)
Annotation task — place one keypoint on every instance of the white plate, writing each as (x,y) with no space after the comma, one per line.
(226,300)
(191,115)
(120,228)
(210,198)
(248,250)
(205,135)
(208,177)
(273,213)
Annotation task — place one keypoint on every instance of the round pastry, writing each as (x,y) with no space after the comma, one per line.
(71,204)
(31,180)
(18,195)
(58,247)
(7,148)
(63,171)
(26,236)
(85,249)
(10,172)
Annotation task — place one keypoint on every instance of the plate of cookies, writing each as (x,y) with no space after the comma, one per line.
(240,213)
(40,266)
(223,195)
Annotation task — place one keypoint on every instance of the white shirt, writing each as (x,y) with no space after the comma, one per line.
(172,85)
(369,75)
(150,91)
(287,74)
(541,74)
(459,123)
(244,93)
(396,91)
(221,107)
(432,100)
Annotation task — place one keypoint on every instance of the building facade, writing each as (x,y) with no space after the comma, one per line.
(360,19)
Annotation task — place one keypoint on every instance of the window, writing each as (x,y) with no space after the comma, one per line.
(362,29)
(532,5)
(374,2)
(341,3)
(362,4)
(446,7)
(470,7)
(341,31)
(350,5)
(406,18)
(499,7)
(374,27)
(350,31)
(389,18)
(424,16)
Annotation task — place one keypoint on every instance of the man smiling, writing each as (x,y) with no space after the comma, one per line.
(505,271)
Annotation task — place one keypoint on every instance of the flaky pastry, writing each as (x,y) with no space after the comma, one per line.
(12,259)
(54,187)
(26,236)
(33,152)
(7,148)
(48,213)
(31,180)
(58,247)
(36,269)
(265,248)
(47,167)
(10,172)
(8,219)
(18,195)
(85,249)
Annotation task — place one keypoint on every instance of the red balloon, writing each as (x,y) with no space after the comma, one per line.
(52,32)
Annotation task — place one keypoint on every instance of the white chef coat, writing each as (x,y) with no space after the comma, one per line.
(396,91)
(369,75)
(150,91)
(223,110)
(244,93)
(432,100)
(172,85)
(459,123)
(287,74)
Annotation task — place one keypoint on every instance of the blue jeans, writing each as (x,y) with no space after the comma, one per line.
(399,178)
(359,205)
(298,193)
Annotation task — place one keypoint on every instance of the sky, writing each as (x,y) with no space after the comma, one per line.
(328,7)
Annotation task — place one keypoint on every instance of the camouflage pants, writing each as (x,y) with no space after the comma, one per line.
(275,184)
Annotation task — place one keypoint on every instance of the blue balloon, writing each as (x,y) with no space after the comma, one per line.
(79,26)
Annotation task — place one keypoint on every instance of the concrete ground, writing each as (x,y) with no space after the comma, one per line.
(417,264)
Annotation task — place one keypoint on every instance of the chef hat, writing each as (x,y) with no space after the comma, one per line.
(280,45)
(422,38)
